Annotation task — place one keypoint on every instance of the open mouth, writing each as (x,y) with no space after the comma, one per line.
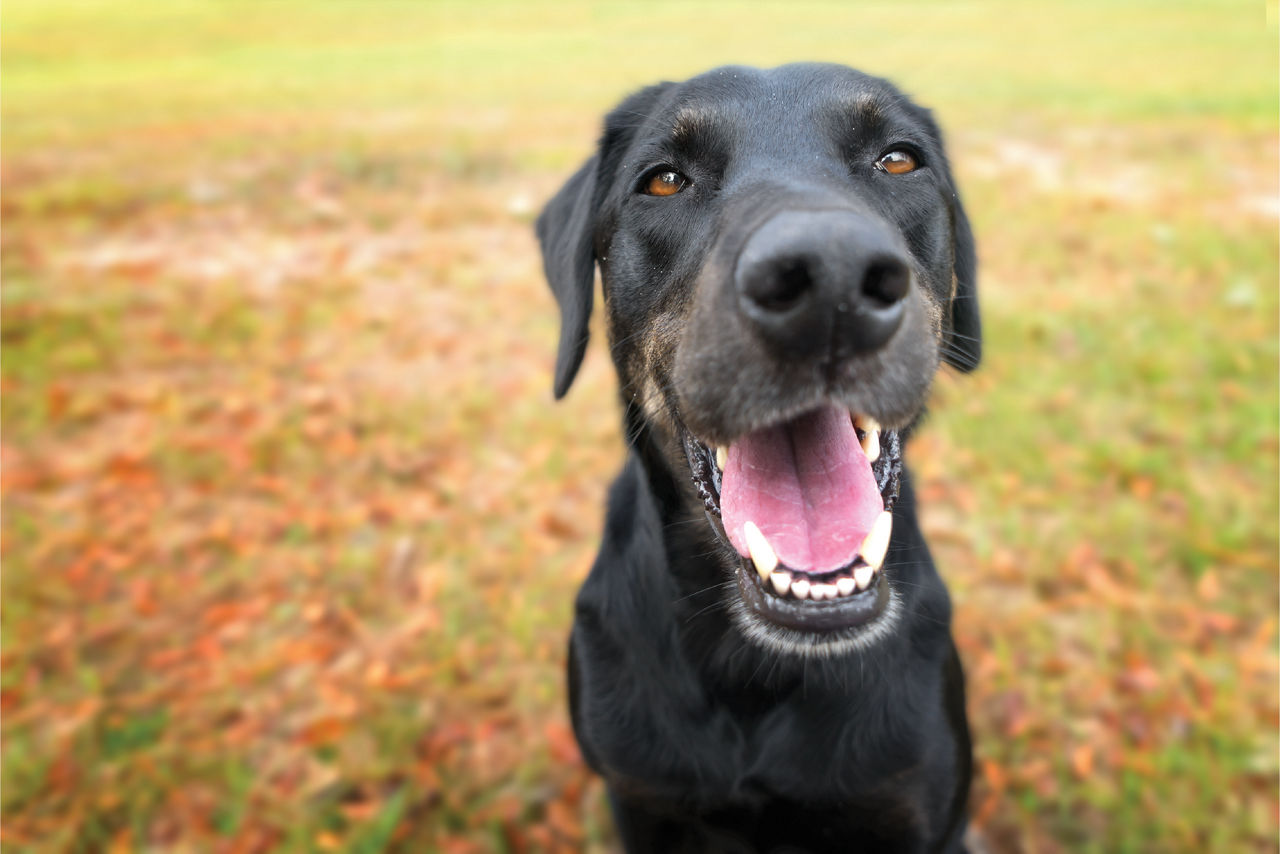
(806,505)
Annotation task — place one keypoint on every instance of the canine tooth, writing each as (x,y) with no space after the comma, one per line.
(781,582)
(862,576)
(877,542)
(822,591)
(871,436)
(845,585)
(722,458)
(871,445)
(866,422)
(762,554)
(800,588)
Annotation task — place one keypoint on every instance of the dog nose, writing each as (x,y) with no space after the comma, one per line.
(806,276)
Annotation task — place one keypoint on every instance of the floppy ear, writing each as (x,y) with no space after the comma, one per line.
(567,225)
(962,345)
(964,341)
(566,231)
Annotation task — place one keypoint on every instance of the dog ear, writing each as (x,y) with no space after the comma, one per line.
(566,229)
(962,339)
(963,347)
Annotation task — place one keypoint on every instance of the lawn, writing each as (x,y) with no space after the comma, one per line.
(292,527)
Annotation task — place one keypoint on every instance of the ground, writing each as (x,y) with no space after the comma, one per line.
(292,526)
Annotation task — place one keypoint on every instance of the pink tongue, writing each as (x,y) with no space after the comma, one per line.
(808,487)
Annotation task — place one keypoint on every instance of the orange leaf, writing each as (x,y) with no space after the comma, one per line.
(561,743)
(56,401)
(1142,487)
(1082,760)
(324,731)
(562,819)
(996,776)
(327,841)
(1208,587)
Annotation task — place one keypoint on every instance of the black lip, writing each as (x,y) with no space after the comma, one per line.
(847,612)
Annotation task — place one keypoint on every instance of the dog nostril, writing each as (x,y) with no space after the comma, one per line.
(791,283)
(779,286)
(885,282)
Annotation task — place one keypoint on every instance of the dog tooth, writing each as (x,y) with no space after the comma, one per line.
(800,588)
(845,585)
(867,423)
(871,436)
(762,554)
(871,445)
(877,541)
(822,591)
(862,576)
(781,581)
(722,458)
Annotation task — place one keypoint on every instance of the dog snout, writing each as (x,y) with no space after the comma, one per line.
(810,281)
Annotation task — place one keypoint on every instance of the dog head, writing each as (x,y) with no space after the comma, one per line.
(784,261)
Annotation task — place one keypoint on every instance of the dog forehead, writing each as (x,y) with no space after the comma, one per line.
(801,92)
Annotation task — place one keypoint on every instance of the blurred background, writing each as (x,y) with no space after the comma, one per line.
(291,525)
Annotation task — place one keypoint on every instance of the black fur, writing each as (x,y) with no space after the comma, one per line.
(709,740)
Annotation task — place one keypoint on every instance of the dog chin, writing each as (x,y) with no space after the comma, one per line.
(784,641)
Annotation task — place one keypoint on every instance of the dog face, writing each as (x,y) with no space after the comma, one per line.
(784,262)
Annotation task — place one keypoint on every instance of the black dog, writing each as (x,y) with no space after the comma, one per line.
(784,262)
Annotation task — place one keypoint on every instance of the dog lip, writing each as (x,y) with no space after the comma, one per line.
(725,428)
(848,612)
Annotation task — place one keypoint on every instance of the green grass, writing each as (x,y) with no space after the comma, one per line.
(292,527)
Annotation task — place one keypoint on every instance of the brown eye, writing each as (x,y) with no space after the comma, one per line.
(897,162)
(666,183)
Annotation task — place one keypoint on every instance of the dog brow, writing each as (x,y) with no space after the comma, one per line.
(863,106)
(694,119)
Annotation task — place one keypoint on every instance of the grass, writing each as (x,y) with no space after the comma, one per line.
(292,527)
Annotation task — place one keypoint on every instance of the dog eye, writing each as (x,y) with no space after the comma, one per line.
(667,182)
(897,162)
